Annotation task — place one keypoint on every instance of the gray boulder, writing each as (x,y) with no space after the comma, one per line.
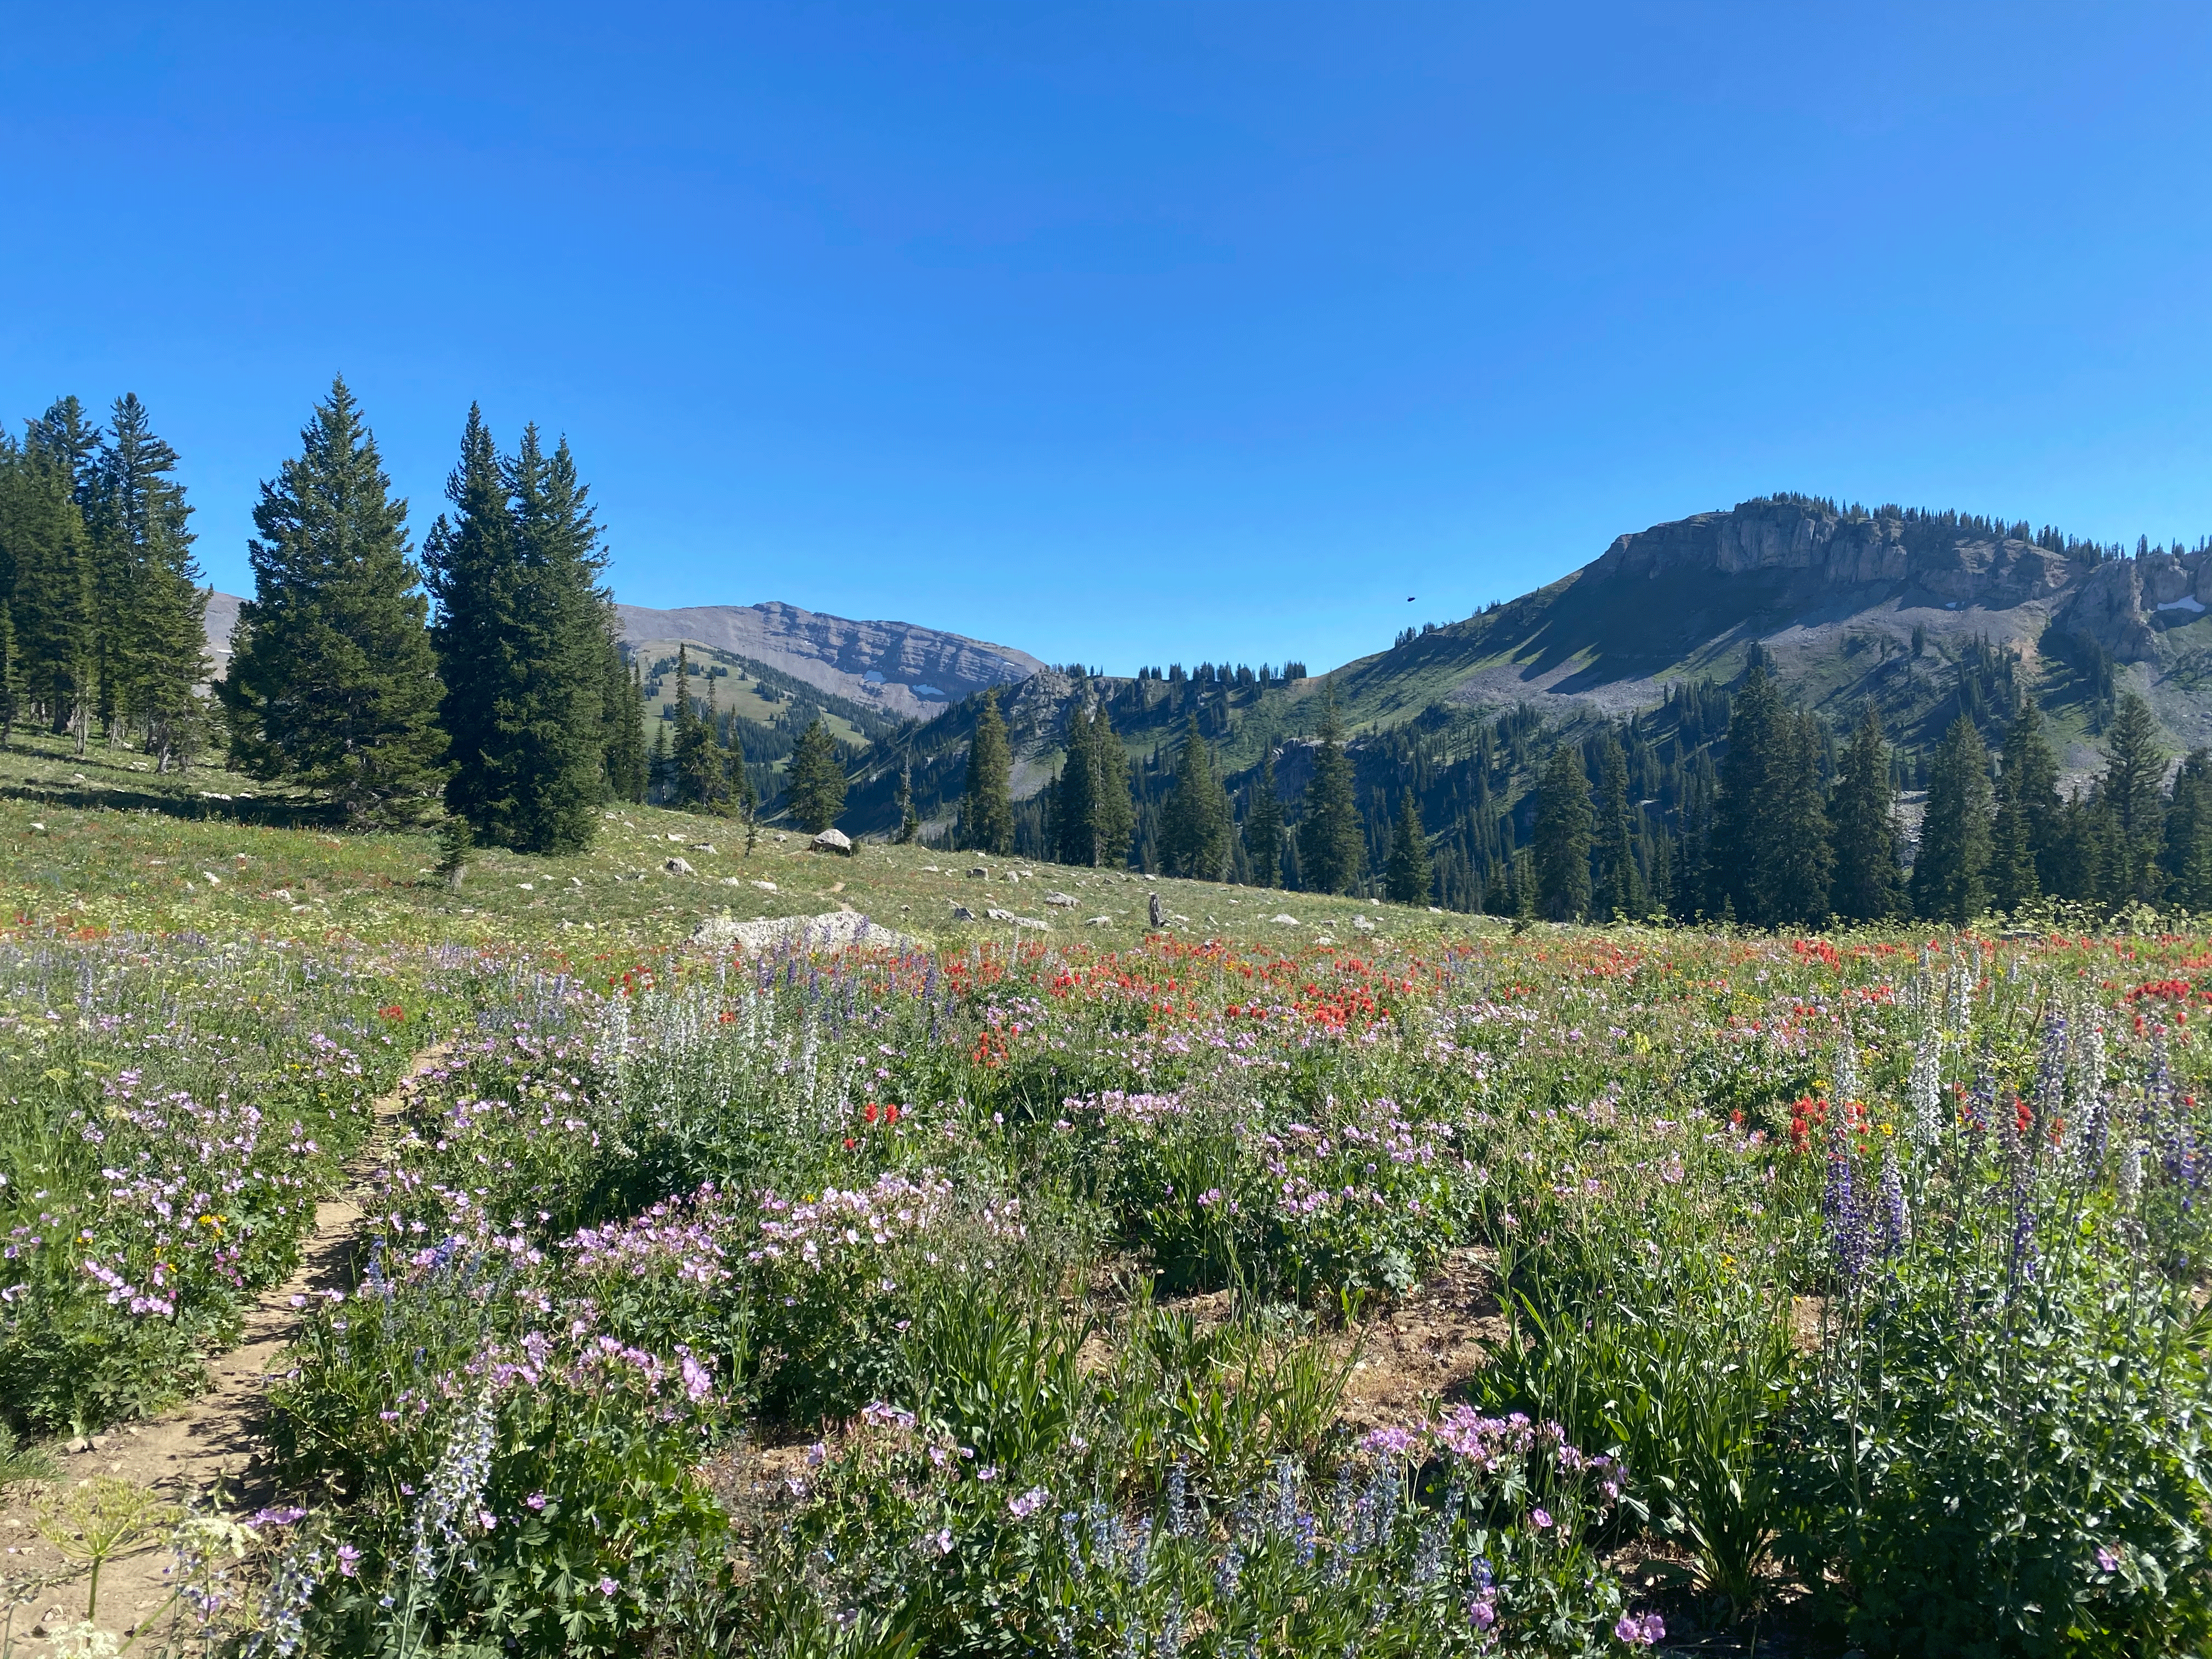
(834,840)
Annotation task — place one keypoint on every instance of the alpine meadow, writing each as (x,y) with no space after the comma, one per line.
(1029,834)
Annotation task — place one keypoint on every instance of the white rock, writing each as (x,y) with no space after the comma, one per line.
(1287,921)
(1099,921)
(1060,899)
(833,931)
(765,886)
(213,879)
(834,840)
(1020,922)
(677,866)
(702,847)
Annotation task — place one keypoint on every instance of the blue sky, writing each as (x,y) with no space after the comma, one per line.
(1137,333)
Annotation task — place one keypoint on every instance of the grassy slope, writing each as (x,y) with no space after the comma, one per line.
(99,842)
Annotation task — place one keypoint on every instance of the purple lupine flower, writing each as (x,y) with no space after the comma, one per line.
(1841,1207)
(1892,1213)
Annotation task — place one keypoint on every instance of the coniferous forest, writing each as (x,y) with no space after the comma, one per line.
(481,680)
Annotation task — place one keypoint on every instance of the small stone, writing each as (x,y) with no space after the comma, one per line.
(1287,921)
(765,886)
(1060,899)
(962,913)
(1155,910)
(677,866)
(1099,921)
(707,847)
(834,840)
(979,873)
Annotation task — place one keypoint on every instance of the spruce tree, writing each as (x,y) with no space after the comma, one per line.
(695,764)
(48,553)
(154,611)
(1563,837)
(1196,824)
(1800,846)
(815,785)
(1869,882)
(1331,844)
(1408,879)
(1074,803)
(1750,775)
(524,645)
(1263,825)
(333,685)
(909,829)
(1950,875)
(2031,784)
(2133,770)
(660,768)
(1618,895)
(627,768)
(2187,858)
(1113,814)
(987,810)
(740,800)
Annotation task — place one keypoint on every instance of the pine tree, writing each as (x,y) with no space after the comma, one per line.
(660,770)
(1770,847)
(1196,824)
(333,684)
(1619,894)
(1800,846)
(909,829)
(986,811)
(695,765)
(1331,844)
(2187,859)
(48,551)
(1074,804)
(1869,884)
(1950,875)
(1563,837)
(2133,770)
(816,782)
(150,637)
(1112,815)
(627,771)
(1409,876)
(523,647)
(740,800)
(2031,784)
(1263,825)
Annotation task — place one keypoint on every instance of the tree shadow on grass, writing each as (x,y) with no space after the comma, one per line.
(280,813)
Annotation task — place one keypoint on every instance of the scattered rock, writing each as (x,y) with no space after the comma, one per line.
(833,931)
(962,913)
(702,847)
(1287,921)
(1060,899)
(1363,924)
(765,886)
(1436,910)
(677,866)
(213,879)
(1099,921)
(1019,922)
(979,873)
(1156,909)
(834,840)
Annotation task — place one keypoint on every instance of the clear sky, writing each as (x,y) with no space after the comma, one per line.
(1134,333)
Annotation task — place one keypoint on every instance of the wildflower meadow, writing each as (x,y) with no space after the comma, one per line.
(1021,1296)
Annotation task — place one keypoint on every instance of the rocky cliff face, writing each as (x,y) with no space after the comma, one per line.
(903,669)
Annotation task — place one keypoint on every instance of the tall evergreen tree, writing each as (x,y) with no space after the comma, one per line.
(626,767)
(2186,861)
(523,647)
(1869,882)
(987,810)
(815,785)
(152,612)
(909,829)
(1073,796)
(1196,823)
(1263,825)
(1950,875)
(1562,843)
(48,552)
(1331,844)
(1112,815)
(2030,786)
(2134,769)
(1619,891)
(1409,875)
(1770,850)
(333,684)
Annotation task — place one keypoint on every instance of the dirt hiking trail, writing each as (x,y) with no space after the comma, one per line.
(208,1445)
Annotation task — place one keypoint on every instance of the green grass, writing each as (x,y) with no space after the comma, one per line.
(99,842)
